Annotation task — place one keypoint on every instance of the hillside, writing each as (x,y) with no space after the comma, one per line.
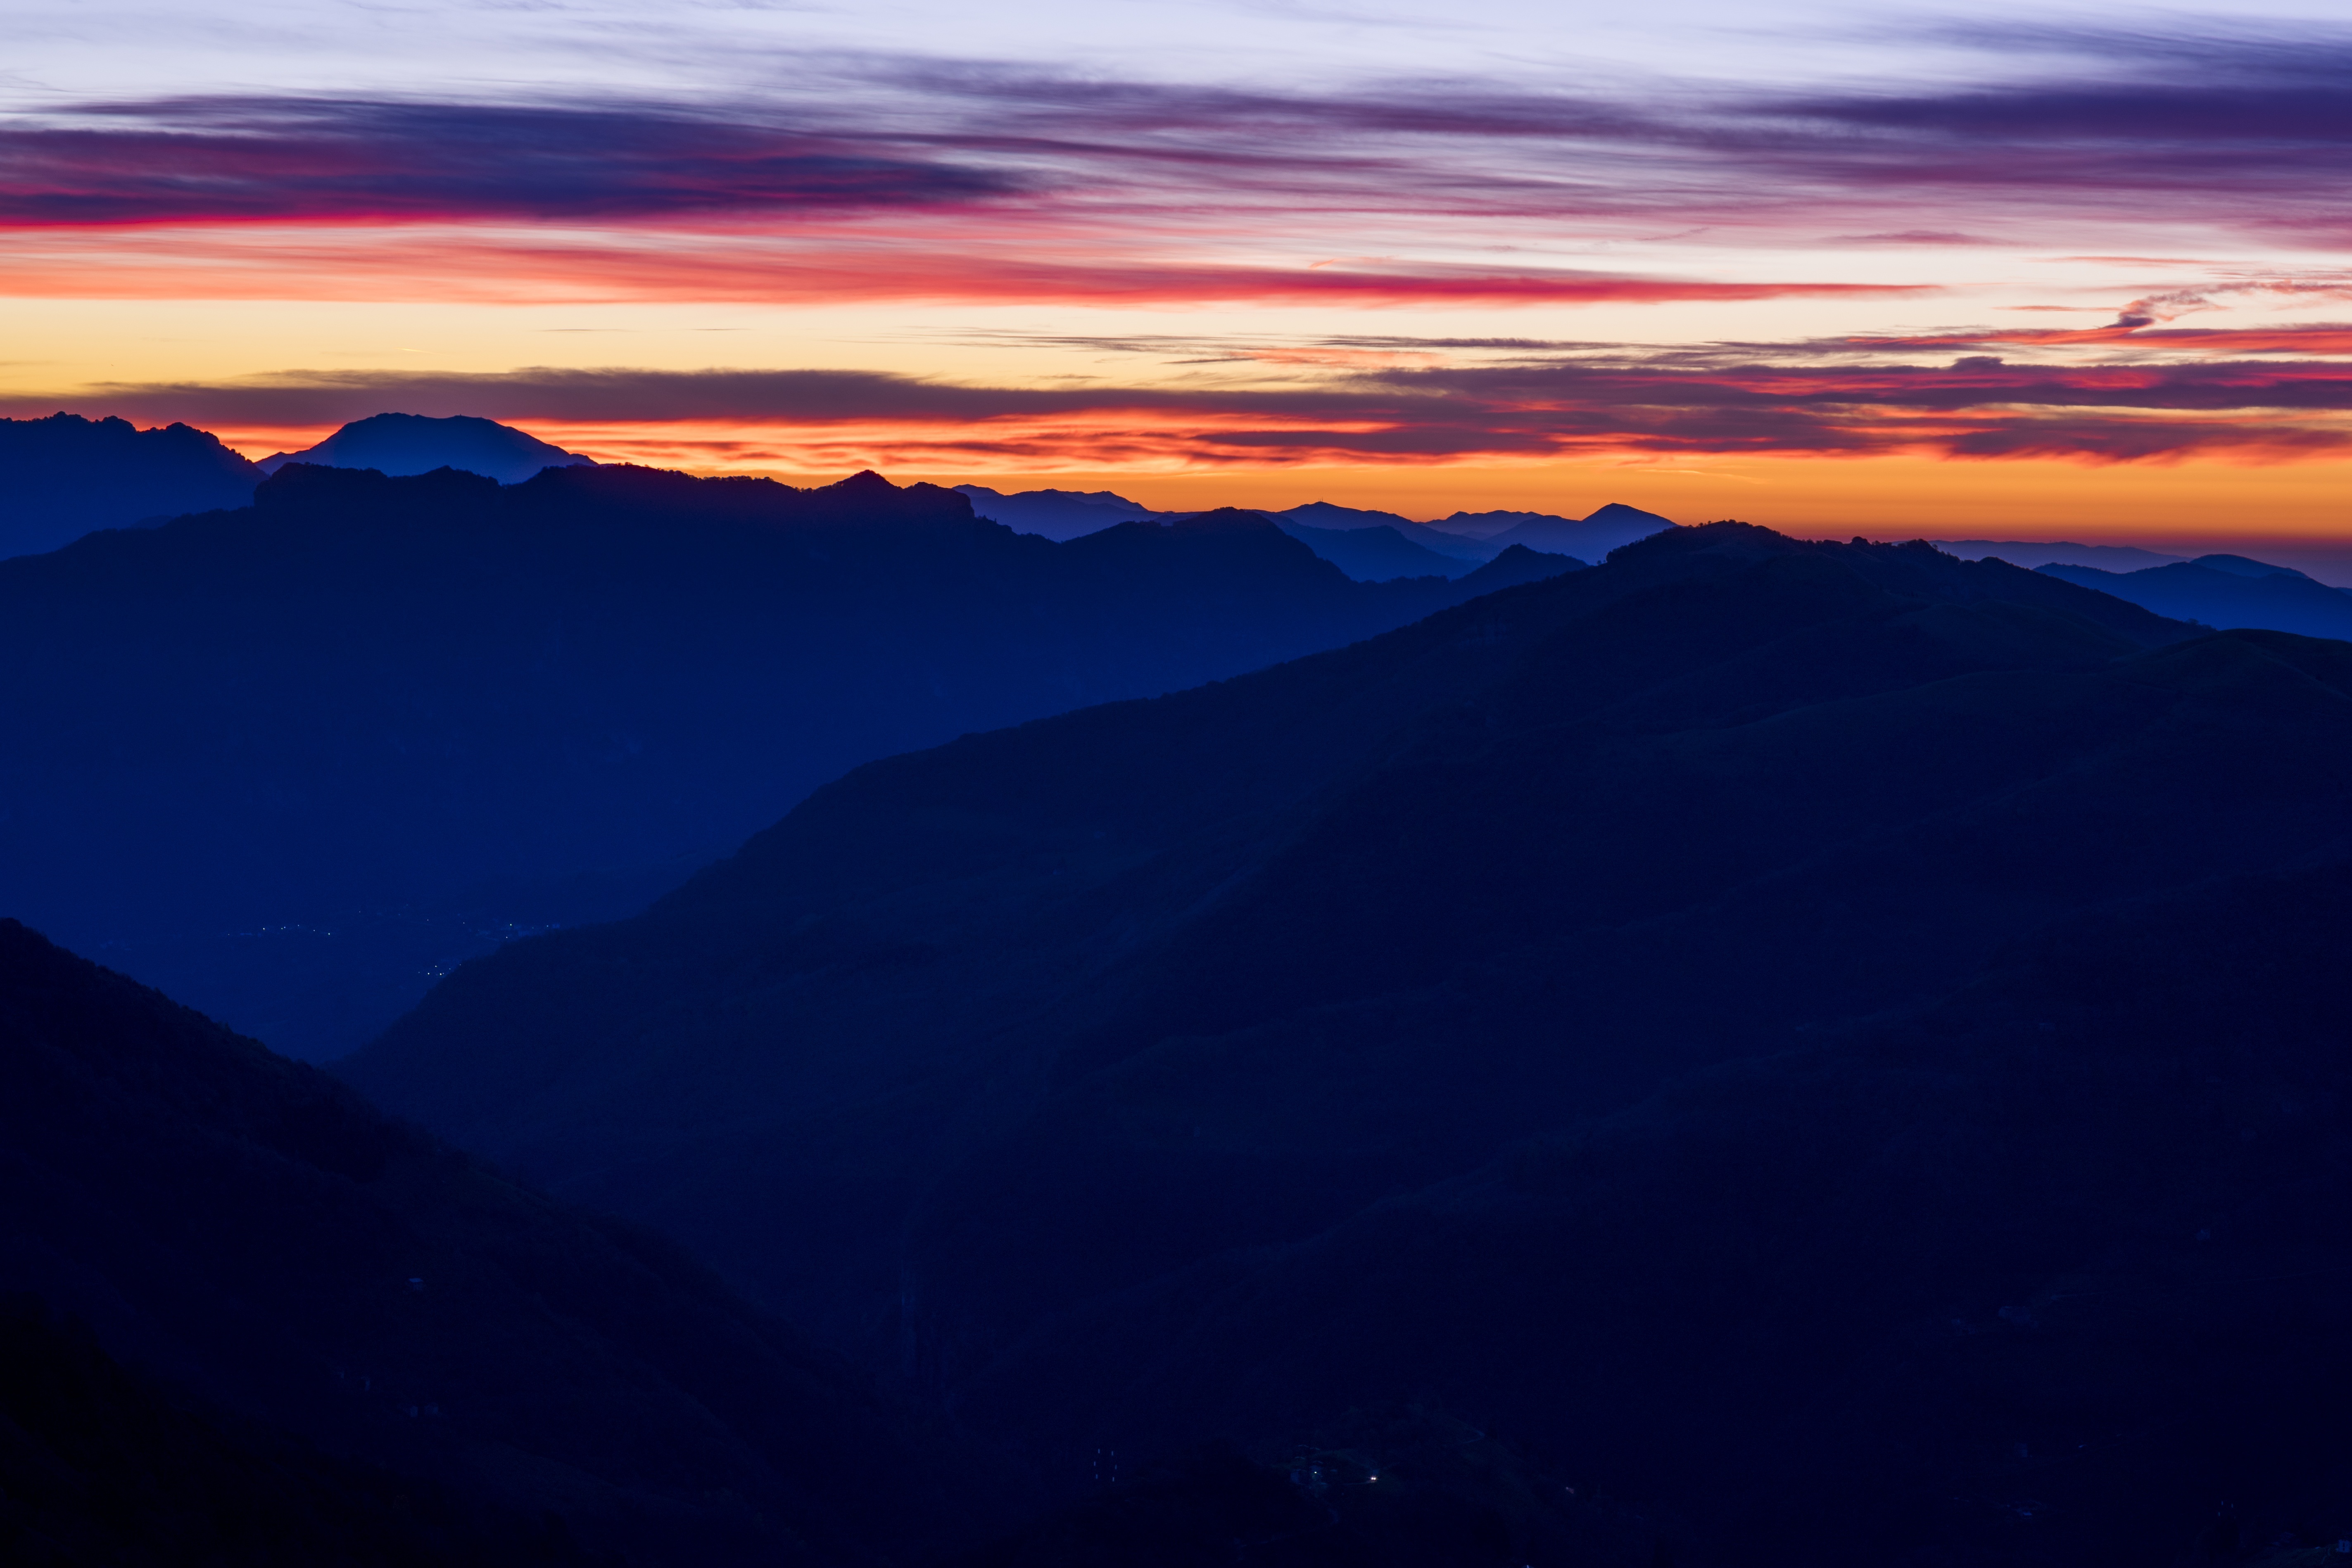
(294,760)
(988,1062)
(294,1311)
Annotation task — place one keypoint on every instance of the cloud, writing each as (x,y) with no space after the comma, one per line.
(2245,131)
(339,161)
(1980,406)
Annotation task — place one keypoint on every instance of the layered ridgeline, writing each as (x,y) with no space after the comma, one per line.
(2226,591)
(1253,1059)
(245,1317)
(1370,546)
(67,476)
(292,761)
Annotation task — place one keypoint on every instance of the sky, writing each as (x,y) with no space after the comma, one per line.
(2001,272)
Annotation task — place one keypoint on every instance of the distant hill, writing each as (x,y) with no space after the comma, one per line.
(1059,514)
(2032,553)
(68,476)
(1327,517)
(1369,545)
(2226,591)
(295,760)
(1610,1013)
(415,444)
(1378,554)
(1589,538)
(310,1334)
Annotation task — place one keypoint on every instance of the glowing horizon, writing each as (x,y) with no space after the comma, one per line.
(2088,274)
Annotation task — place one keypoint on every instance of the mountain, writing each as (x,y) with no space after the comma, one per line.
(1607,1014)
(1369,546)
(1059,514)
(1592,538)
(250,1319)
(293,761)
(2042,1272)
(416,444)
(2031,554)
(1377,554)
(1327,517)
(68,476)
(2226,591)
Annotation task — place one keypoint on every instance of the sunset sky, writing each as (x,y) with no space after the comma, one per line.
(2001,273)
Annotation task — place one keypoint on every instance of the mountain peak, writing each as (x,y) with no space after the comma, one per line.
(402,444)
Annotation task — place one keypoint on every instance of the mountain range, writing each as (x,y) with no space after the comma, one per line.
(2226,591)
(1369,545)
(1744,1027)
(68,476)
(293,761)
(1309,1039)
(2031,554)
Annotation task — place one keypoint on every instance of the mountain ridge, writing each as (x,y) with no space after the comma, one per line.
(402,445)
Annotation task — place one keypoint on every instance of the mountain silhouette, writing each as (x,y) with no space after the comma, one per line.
(1059,514)
(248,1318)
(68,476)
(2226,591)
(1326,517)
(294,760)
(404,444)
(1378,554)
(2031,553)
(1354,539)
(1521,1014)
(1589,538)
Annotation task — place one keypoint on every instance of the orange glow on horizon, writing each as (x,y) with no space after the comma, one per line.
(2188,505)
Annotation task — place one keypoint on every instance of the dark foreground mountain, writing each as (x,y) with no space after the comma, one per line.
(294,760)
(2226,591)
(417,443)
(67,476)
(1160,1072)
(248,1318)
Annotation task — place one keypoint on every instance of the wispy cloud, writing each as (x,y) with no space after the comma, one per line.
(2246,131)
(339,160)
(1979,406)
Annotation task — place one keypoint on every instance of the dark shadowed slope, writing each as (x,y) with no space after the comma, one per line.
(2050,1272)
(1669,739)
(2226,591)
(294,760)
(101,1464)
(1234,1061)
(418,444)
(66,475)
(282,1266)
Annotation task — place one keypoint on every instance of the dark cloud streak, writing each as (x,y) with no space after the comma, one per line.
(1980,407)
(2249,130)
